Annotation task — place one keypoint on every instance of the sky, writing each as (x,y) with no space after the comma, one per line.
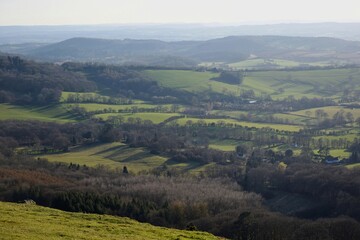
(80,12)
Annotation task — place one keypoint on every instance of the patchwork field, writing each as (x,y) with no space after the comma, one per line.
(279,84)
(50,113)
(315,83)
(153,117)
(260,63)
(113,155)
(190,81)
(224,121)
(115,107)
(27,221)
(330,111)
(117,155)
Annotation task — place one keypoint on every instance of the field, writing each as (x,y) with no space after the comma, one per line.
(279,84)
(28,221)
(50,113)
(280,127)
(117,155)
(153,117)
(311,112)
(224,145)
(259,63)
(112,155)
(190,81)
(311,83)
(130,107)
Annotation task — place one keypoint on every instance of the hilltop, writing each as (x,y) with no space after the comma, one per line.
(28,221)
(189,53)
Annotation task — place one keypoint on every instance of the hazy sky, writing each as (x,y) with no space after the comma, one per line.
(66,12)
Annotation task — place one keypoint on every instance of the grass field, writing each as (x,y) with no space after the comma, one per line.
(27,221)
(223,145)
(152,116)
(311,83)
(279,84)
(280,127)
(98,107)
(117,155)
(190,81)
(259,63)
(50,113)
(311,112)
(113,155)
(355,165)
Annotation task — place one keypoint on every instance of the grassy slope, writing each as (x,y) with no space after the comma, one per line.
(189,80)
(280,127)
(302,83)
(25,221)
(153,117)
(113,155)
(314,83)
(45,113)
(117,155)
(98,106)
(329,110)
(281,63)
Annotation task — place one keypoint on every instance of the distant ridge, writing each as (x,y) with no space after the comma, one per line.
(227,49)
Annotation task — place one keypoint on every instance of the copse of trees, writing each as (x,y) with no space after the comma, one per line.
(27,82)
(230,77)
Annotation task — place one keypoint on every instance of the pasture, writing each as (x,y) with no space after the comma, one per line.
(328,83)
(154,117)
(226,121)
(29,221)
(112,155)
(190,81)
(330,111)
(49,113)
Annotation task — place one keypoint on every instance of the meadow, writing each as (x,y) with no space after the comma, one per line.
(117,155)
(190,81)
(330,111)
(224,121)
(328,83)
(112,155)
(29,221)
(49,113)
(155,118)
(258,63)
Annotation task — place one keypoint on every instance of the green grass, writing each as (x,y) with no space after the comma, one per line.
(50,113)
(153,117)
(190,81)
(331,110)
(273,63)
(341,153)
(112,155)
(117,155)
(98,107)
(280,127)
(310,83)
(355,165)
(224,145)
(27,221)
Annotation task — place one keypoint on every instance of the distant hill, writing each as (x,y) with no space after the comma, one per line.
(174,32)
(228,49)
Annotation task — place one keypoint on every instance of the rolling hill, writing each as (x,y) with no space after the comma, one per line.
(228,49)
(28,221)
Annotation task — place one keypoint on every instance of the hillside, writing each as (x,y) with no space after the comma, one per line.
(228,49)
(27,221)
